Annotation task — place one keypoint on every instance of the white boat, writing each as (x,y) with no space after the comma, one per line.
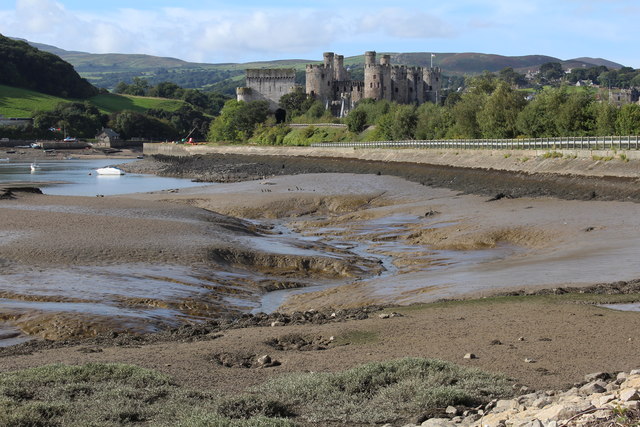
(110,170)
(35,167)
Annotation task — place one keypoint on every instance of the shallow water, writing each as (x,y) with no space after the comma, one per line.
(79,178)
(623,307)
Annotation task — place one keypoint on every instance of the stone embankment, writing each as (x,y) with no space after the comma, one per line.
(601,400)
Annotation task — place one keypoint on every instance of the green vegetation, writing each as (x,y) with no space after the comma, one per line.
(22,65)
(120,395)
(19,102)
(383,392)
(552,155)
(111,103)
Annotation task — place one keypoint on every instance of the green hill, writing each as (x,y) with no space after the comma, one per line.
(19,102)
(107,70)
(22,65)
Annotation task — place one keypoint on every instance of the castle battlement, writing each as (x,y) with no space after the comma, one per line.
(330,83)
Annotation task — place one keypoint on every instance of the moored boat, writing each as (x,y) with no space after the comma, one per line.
(110,170)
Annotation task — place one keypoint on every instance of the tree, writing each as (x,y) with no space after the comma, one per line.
(80,119)
(605,116)
(499,115)
(356,121)
(296,103)
(237,120)
(131,124)
(511,77)
(539,118)
(434,121)
(551,71)
(628,121)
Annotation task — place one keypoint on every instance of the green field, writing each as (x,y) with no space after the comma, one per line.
(17,102)
(109,103)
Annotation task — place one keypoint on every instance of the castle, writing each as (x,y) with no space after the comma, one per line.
(331,84)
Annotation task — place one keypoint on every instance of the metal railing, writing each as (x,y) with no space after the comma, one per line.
(564,143)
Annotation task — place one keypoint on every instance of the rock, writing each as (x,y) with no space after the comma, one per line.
(521,339)
(596,376)
(557,412)
(384,315)
(603,400)
(629,394)
(470,356)
(536,423)
(621,377)
(504,405)
(633,405)
(634,372)
(277,323)
(451,410)
(540,403)
(529,360)
(264,360)
(593,387)
(438,422)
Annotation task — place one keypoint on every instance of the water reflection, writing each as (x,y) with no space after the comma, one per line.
(79,178)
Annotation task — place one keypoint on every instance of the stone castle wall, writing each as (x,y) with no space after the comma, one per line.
(331,84)
(267,85)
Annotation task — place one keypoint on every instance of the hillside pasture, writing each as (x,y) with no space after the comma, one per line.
(17,102)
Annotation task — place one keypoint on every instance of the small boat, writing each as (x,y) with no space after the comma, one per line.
(110,170)
(35,167)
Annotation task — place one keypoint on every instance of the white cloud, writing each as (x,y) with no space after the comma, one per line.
(403,23)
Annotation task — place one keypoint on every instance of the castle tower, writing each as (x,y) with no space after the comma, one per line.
(432,84)
(320,79)
(340,73)
(415,86)
(372,77)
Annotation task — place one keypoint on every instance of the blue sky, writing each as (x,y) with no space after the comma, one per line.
(242,31)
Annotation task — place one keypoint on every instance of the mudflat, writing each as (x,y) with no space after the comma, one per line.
(375,240)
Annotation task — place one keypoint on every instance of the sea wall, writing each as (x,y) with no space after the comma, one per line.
(621,163)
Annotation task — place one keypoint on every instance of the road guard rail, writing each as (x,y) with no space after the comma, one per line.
(565,143)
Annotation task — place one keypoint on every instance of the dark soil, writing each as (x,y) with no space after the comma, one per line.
(497,184)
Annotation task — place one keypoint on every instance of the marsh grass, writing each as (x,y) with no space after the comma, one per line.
(123,395)
(383,392)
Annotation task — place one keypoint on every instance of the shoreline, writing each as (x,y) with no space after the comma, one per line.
(567,337)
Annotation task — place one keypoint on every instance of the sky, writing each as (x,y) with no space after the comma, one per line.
(217,31)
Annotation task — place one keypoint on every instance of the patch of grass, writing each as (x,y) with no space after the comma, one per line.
(524,159)
(17,102)
(552,155)
(582,298)
(603,158)
(109,103)
(383,392)
(357,338)
(507,155)
(623,157)
(123,395)
(115,395)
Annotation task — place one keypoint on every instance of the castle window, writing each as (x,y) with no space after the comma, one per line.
(410,89)
(370,85)
(322,76)
(374,77)
(396,90)
(328,83)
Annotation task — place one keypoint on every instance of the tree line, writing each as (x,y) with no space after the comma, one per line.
(24,66)
(490,107)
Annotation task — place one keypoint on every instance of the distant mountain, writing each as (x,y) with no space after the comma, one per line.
(24,66)
(107,70)
(599,61)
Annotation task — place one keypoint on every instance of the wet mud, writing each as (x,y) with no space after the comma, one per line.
(489,182)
